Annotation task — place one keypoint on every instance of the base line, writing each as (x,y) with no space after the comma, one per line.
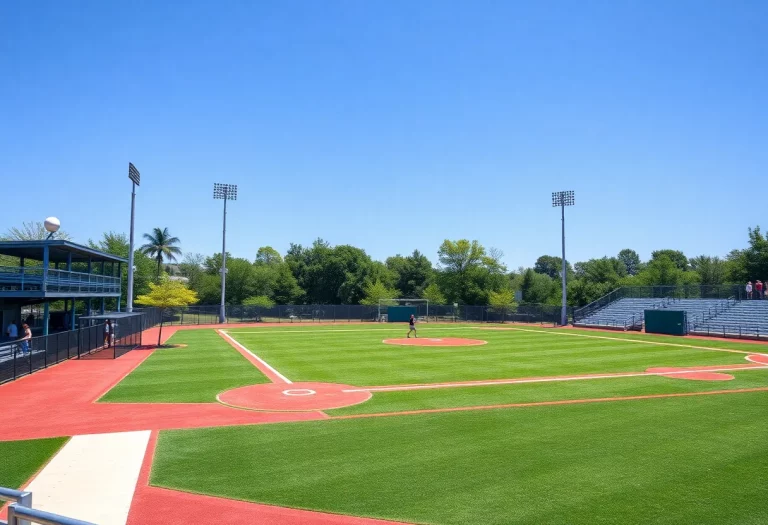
(618,375)
(642,341)
(257,358)
(549,403)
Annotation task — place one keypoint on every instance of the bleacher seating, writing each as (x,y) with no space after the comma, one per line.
(744,318)
(629,314)
(624,313)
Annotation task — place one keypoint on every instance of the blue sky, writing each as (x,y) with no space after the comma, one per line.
(391,125)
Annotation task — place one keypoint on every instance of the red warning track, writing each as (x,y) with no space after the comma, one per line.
(294,397)
(433,341)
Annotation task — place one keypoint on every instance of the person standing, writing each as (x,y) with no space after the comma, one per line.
(412,327)
(25,340)
(107,333)
(759,289)
(12,331)
(749,289)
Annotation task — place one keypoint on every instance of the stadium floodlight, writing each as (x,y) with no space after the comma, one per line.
(562,199)
(135,177)
(225,192)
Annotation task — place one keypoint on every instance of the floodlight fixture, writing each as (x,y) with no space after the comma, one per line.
(561,199)
(225,192)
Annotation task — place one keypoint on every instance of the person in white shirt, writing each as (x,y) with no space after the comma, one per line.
(12,331)
(107,333)
(749,289)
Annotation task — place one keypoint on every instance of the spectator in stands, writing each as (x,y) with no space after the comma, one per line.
(759,289)
(25,340)
(749,289)
(12,331)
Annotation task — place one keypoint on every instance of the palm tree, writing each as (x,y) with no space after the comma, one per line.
(160,246)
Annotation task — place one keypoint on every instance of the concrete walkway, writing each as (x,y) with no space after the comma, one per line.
(92,478)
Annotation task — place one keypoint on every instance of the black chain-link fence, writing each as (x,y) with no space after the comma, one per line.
(325,313)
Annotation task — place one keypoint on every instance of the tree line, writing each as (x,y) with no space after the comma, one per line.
(466,272)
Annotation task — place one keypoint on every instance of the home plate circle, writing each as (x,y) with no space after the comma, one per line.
(294,397)
(428,341)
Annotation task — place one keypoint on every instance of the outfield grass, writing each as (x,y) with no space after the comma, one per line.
(676,460)
(20,460)
(358,357)
(195,374)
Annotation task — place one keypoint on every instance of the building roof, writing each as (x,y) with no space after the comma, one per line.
(58,251)
(113,316)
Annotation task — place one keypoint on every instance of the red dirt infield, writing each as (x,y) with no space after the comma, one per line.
(435,341)
(760,359)
(681,373)
(293,397)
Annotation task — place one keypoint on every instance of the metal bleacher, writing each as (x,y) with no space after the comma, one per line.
(626,314)
(724,317)
(743,319)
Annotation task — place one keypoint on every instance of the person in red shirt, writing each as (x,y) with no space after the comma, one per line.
(759,289)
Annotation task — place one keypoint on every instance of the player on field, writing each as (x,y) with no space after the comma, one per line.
(412,327)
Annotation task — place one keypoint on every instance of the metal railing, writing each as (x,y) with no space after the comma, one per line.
(21,512)
(15,278)
(20,515)
(724,291)
(19,358)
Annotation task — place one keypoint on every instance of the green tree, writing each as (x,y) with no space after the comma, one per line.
(711,270)
(663,271)
(376,292)
(468,273)
(750,263)
(433,294)
(164,295)
(502,300)
(676,256)
(631,261)
(161,245)
(412,273)
(259,300)
(552,266)
(537,287)
(268,256)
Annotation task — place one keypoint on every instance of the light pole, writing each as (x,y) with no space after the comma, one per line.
(135,177)
(226,192)
(562,199)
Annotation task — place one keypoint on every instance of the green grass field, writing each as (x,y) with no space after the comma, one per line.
(654,461)
(19,460)
(194,374)
(697,459)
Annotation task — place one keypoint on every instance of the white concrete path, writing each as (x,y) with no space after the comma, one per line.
(92,478)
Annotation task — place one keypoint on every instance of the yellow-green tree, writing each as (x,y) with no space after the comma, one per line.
(167,294)
(502,300)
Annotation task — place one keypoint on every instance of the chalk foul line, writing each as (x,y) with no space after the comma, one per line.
(608,338)
(399,388)
(270,370)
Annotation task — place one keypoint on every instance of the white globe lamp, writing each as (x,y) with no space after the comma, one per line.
(52,225)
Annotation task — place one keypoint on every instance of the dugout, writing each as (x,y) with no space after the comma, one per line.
(669,322)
